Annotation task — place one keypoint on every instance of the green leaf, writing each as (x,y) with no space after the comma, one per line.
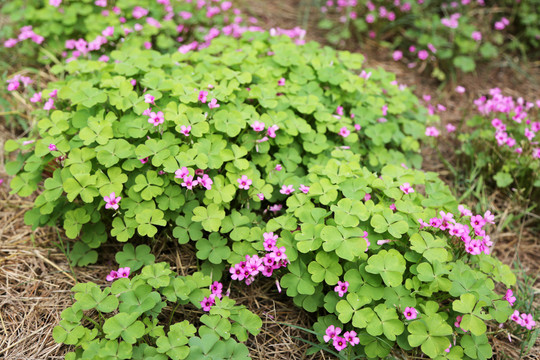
(390,265)
(134,258)
(124,325)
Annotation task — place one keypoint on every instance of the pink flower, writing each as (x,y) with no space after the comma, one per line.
(450,128)
(260,196)
(278,167)
(149,99)
(272,130)
(287,189)
(275,207)
(341,288)
(13,85)
(527,321)
(339,343)
(258,126)
(460,89)
(406,188)
(476,36)
(113,275)
(202,96)
(123,272)
(410,313)
(205,181)
(189,182)
(281,82)
(303,188)
(423,54)
(52,147)
(331,333)
(109,31)
(139,12)
(213,104)
(9,43)
(101,3)
(392,207)
(55,3)
(339,110)
(367,197)
(185,129)
(344,132)
(244,182)
(207,302)
(357,127)
(270,240)
(432,131)
(156,118)
(144,161)
(509,296)
(112,201)
(216,288)
(397,55)
(351,338)
(515,317)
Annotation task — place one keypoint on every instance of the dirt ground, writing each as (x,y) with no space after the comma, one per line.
(35,276)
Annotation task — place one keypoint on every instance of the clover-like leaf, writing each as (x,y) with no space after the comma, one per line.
(214,249)
(390,265)
(124,325)
(210,217)
(326,268)
(134,258)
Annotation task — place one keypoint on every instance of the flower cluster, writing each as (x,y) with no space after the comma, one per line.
(525,320)
(340,343)
(518,129)
(26,32)
(274,259)
(473,234)
(120,273)
(209,301)
(188,180)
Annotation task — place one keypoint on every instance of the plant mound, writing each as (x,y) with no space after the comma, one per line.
(268,155)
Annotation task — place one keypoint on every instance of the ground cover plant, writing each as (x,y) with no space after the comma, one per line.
(263,154)
(438,36)
(129,327)
(502,144)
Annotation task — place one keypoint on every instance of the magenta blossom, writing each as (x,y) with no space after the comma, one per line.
(272,131)
(287,189)
(281,82)
(406,188)
(351,338)
(213,104)
(149,99)
(258,126)
(331,333)
(303,188)
(207,302)
(185,129)
(410,313)
(344,132)
(189,182)
(112,201)
(339,343)
(203,96)
(244,182)
(181,173)
(205,181)
(341,288)
(156,118)
(52,147)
